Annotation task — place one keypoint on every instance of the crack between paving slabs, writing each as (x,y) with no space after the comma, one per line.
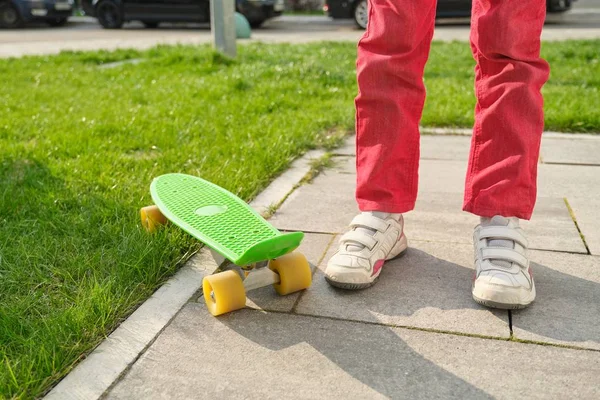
(431,330)
(572,214)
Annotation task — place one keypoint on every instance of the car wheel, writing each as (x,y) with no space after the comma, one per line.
(9,16)
(257,24)
(57,22)
(361,13)
(109,15)
(150,24)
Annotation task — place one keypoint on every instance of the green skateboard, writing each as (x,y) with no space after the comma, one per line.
(229,226)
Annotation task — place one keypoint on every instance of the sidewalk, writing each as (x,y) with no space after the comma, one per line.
(85,34)
(417,333)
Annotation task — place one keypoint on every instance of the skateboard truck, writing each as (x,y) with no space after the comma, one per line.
(253,276)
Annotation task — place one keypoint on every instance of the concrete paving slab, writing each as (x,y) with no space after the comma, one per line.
(285,183)
(321,206)
(571,151)
(437,216)
(448,176)
(567,307)
(429,287)
(443,168)
(348,148)
(507,370)
(442,176)
(569,181)
(433,147)
(313,247)
(554,180)
(438,147)
(588,218)
(255,355)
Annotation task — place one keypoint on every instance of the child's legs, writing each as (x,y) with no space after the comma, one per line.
(391,59)
(509,120)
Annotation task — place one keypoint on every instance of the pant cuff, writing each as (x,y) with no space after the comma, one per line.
(368,205)
(490,212)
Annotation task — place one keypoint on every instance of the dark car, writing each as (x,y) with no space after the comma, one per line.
(357,9)
(15,13)
(113,13)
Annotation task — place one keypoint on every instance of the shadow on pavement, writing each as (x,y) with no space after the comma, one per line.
(373,355)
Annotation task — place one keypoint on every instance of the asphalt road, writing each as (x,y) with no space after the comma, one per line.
(583,22)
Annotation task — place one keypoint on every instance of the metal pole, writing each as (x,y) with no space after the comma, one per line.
(222,22)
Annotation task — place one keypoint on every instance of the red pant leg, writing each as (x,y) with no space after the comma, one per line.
(502,174)
(391,59)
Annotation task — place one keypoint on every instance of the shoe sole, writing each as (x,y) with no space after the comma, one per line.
(501,306)
(523,302)
(359,286)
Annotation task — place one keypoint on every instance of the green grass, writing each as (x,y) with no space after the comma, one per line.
(79,146)
(571,96)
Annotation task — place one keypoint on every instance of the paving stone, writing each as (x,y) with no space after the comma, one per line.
(567,307)
(255,355)
(568,181)
(437,217)
(348,148)
(428,287)
(442,176)
(285,182)
(582,151)
(508,370)
(571,151)
(448,175)
(433,147)
(326,205)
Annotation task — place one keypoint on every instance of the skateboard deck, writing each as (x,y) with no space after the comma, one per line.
(220,219)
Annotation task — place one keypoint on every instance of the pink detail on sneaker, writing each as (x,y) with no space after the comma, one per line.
(377,266)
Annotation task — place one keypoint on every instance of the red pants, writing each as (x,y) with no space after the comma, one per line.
(505,40)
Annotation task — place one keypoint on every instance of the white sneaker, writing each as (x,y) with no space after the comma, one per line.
(503,276)
(374,238)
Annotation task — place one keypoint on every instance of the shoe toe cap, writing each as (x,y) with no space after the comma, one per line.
(343,274)
(497,278)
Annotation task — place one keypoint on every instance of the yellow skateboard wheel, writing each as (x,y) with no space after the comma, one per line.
(152,218)
(294,273)
(224,292)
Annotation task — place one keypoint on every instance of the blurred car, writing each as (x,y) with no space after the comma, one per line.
(357,9)
(15,13)
(112,14)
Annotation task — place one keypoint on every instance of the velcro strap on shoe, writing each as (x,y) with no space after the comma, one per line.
(359,237)
(369,221)
(504,254)
(503,232)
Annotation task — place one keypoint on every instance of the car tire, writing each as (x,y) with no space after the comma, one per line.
(256,24)
(58,21)
(109,14)
(151,24)
(361,13)
(10,16)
